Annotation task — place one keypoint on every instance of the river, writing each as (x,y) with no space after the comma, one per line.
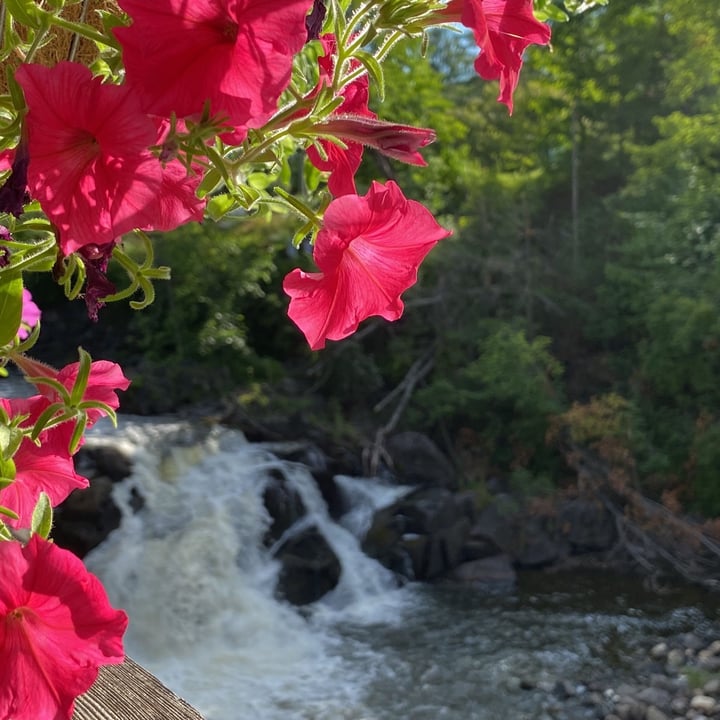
(198,586)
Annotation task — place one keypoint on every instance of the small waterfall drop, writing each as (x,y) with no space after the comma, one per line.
(198,584)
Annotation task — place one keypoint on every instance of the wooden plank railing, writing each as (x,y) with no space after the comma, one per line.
(129,692)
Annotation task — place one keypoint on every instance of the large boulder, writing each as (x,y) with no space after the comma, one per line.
(587,525)
(417,460)
(422,536)
(86,517)
(531,540)
(309,567)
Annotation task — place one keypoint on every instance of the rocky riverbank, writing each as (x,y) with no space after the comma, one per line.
(677,679)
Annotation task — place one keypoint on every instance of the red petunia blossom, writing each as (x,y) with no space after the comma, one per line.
(368,252)
(503,29)
(400,142)
(57,628)
(236,54)
(356,125)
(90,164)
(341,163)
(48,468)
(104,380)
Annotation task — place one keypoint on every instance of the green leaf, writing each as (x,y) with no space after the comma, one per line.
(10,309)
(42,517)
(374,70)
(25,12)
(220,205)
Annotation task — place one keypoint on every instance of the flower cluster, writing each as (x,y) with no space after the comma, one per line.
(167,120)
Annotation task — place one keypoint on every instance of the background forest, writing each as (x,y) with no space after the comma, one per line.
(576,304)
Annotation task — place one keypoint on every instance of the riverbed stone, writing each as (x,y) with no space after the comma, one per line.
(703,703)
(630,711)
(679,704)
(675,658)
(654,713)
(654,696)
(493,574)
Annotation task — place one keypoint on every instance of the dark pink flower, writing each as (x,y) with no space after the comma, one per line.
(235,54)
(104,380)
(356,126)
(400,142)
(90,164)
(48,468)
(503,29)
(56,628)
(30,315)
(97,285)
(13,193)
(368,252)
(341,163)
(314,21)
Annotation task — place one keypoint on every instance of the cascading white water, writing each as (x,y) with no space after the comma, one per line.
(197,583)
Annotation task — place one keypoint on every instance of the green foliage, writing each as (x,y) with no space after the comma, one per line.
(591,217)
(217,312)
(704,469)
(506,392)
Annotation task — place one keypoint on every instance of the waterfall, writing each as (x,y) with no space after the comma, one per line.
(198,584)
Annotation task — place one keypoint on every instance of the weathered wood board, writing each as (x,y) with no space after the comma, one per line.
(129,692)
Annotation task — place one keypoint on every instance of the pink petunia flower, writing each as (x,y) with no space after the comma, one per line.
(48,468)
(235,54)
(30,315)
(503,29)
(104,380)
(356,125)
(57,628)
(400,142)
(90,164)
(341,163)
(368,252)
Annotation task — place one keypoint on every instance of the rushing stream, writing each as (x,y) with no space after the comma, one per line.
(192,573)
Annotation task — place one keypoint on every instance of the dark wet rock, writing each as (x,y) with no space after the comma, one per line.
(284,505)
(477,548)
(497,522)
(86,517)
(309,568)
(417,460)
(425,533)
(428,510)
(493,574)
(587,525)
(331,494)
(107,460)
(539,545)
